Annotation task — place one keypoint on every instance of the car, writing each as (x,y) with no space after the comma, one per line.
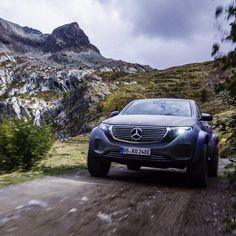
(160,133)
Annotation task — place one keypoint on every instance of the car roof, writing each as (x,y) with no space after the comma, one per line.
(167,99)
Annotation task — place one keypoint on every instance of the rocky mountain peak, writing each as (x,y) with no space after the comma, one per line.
(70,28)
(29,30)
(15,38)
(66,37)
(18,39)
(67,45)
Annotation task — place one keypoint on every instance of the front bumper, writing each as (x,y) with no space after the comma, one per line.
(177,153)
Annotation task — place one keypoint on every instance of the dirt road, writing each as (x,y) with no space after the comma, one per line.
(146,202)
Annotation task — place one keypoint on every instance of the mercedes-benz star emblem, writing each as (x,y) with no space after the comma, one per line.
(136,134)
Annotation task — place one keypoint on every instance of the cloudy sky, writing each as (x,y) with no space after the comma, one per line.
(161,33)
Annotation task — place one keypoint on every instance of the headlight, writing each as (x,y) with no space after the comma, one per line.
(104,127)
(180,130)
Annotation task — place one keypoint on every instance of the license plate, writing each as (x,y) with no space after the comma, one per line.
(135,151)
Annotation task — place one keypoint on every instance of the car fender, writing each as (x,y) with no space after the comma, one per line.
(92,138)
(95,135)
(202,139)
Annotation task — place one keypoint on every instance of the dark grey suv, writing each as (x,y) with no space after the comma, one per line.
(159,133)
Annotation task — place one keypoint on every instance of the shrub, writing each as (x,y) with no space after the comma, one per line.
(226,124)
(23,144)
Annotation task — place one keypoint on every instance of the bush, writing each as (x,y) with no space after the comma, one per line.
(23,144)
(225,123)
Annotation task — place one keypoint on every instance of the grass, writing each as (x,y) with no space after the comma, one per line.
(66,155)
(63,158)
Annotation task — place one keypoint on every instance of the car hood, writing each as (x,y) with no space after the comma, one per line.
(152,120)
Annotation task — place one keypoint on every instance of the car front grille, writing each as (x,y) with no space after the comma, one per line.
(149,134)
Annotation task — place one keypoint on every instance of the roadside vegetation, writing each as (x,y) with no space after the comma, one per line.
(23,144)
(227,86)
(63,157)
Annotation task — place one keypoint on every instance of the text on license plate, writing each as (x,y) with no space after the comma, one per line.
(135,151)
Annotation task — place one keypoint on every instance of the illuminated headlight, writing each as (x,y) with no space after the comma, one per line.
(104,127)
(181,130)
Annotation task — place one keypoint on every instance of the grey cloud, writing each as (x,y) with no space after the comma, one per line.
(169,19)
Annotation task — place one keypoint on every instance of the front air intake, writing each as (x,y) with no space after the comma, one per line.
(138,134)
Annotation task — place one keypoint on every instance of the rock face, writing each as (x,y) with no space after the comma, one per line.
(66,37)
(24,39)
(52,77)
(19,39)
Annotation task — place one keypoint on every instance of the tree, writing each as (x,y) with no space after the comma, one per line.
(229,62)
(228,36)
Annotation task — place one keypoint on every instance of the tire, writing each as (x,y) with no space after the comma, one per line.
(97,167)
(213,164)
(133,166)
(197,173)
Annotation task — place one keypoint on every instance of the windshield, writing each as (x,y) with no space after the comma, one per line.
(159,107)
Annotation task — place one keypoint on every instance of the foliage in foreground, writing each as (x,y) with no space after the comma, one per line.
(23,144)
(64,157)
(228,85)
(225,124)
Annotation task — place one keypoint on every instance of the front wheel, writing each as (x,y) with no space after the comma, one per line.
(98,167)
(197,173)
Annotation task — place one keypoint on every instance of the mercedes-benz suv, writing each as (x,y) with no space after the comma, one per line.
(160,133)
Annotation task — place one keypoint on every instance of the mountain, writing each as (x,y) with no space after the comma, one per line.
(44,76)
(66,45)
(24,39)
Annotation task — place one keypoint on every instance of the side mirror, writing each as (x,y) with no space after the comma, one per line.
(114,113)
(206,117)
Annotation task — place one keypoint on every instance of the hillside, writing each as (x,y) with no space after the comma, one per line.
(42,76)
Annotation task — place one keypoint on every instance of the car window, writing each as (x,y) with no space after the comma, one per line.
(159,107)
(198,112)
